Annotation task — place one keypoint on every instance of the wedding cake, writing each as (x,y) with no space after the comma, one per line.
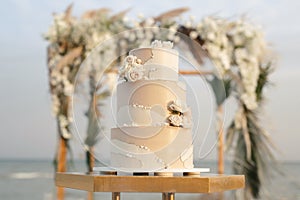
(153,122)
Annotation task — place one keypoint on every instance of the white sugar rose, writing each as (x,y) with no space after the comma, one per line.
(156,44)
(134,74)
(175,106)
(167,44)
(130,59)
(176,120)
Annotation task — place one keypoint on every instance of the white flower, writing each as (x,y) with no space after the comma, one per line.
(176,39)
(55,110)
(155,29)
(176,120)
(241,54)
(238,40)
(55,77)
(156,44)
(132,37)
(126,34)
(173,28)
(249,100)
(134,74)
(167,44)
(192,18)
(148,37)
(65,134)
(176,106)
(150,21)
(225,60)
(193,34)
(130,59)
(55,104)
(211,36)
(123,43)
(65,70)
(68,89)
(140,34)
(170,36)
(141,16)
(188,24)
(63,122)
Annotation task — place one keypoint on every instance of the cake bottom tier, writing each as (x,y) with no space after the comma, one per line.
(151,148)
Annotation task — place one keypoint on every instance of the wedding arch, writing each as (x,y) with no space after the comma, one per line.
(236,47)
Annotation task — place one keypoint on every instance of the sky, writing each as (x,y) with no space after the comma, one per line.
(27,128)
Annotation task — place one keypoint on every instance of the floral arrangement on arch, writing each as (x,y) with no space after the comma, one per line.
(236,47)
(240,53)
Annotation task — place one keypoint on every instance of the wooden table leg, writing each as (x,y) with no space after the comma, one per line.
(116,196)
(168,196)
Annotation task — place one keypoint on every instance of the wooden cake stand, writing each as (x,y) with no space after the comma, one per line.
(167,185)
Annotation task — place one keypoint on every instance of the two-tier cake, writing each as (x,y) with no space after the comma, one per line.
(153,122)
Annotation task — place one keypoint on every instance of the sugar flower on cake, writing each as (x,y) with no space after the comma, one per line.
(134,74)
(180,115)
(132,70)
(167,44)
(156,44)
(176,106)
(160,44)
(176,120)
(130,59)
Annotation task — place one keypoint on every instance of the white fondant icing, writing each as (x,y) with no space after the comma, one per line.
(118,159)
(149,93)
(141,159)
(159,72)
(157,56)
(141,115)
(186,154)
(188,163)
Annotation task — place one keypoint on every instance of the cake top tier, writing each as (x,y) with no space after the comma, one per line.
(158,62)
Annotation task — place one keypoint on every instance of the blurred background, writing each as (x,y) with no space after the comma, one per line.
(28,130)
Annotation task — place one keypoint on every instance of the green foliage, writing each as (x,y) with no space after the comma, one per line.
(255,167)
(221,89)
(263,80)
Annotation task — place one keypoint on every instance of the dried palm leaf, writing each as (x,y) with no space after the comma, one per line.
(246,137)
(120,15)
(93,13)
(69,57)
(193,45)
(256,164)
(170,14)
(68,13)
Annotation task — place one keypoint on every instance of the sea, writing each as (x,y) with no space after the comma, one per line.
(34,180)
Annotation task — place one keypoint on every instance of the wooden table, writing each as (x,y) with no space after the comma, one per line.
(167,185)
